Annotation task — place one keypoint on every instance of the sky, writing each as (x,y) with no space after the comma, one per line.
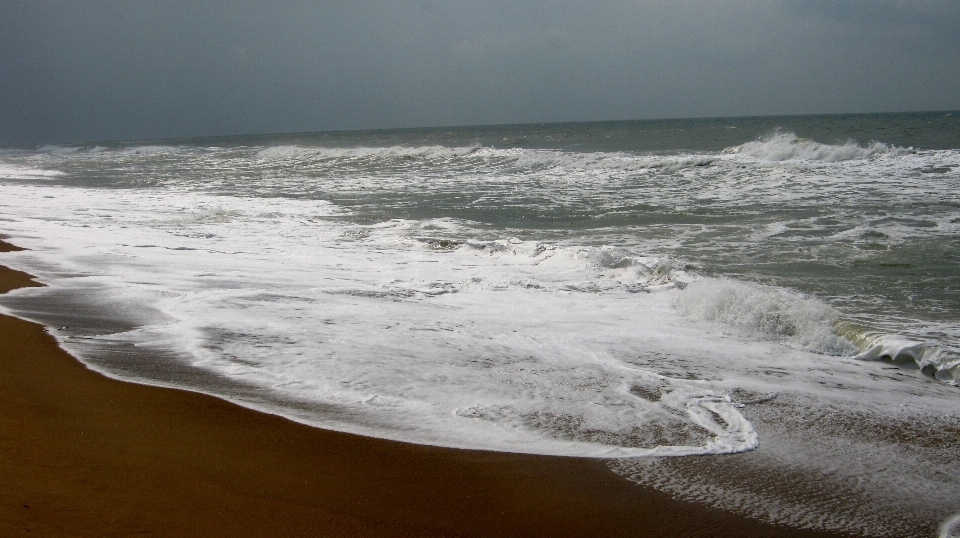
(76,71)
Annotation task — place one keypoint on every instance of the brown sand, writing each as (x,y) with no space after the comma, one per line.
(85,455)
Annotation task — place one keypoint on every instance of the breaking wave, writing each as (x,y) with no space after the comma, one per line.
(765,312)
(770,313)
(788,146)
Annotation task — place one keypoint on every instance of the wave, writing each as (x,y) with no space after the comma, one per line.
(950,528)
(766,312)
(937,361)
(774,314)
(788,146)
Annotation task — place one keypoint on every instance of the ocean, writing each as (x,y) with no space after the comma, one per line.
(758,314)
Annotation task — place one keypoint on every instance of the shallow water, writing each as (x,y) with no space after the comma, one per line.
(778,288)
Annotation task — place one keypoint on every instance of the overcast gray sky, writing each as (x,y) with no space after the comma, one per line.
(98,70)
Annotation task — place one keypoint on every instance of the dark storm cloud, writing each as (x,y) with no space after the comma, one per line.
(105,70)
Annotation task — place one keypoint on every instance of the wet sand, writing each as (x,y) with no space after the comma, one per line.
(85,455)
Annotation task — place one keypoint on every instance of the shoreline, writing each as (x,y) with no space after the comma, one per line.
(82,454)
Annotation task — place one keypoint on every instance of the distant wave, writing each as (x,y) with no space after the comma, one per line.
(603,160)
(788,146)
(148,150)
(513,157)
(82,151)
(391,152)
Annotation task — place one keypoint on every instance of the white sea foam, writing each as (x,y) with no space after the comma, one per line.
(489,345)
(8,171)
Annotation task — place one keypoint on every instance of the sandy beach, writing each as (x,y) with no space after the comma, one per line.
(85,455)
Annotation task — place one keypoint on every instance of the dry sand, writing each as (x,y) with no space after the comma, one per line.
(85,455)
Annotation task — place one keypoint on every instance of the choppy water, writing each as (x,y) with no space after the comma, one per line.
(781,288)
